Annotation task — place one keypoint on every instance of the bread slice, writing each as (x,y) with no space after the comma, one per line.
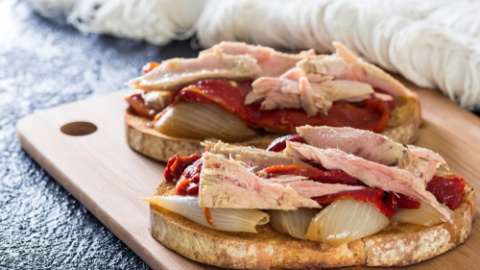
(403,127)
(397,245)
(159,146)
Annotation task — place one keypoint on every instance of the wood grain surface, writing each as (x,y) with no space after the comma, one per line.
(110,179)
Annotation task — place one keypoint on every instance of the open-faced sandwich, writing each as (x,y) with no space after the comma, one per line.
(326,197)
(250,95)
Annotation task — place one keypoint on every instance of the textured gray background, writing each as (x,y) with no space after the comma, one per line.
(45,63)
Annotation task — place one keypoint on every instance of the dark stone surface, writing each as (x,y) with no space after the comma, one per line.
(45,63)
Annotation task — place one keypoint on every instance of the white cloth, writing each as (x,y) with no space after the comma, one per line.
(433,43)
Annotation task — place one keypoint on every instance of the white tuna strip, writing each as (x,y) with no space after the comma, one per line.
(369,145)
(226,183)
(177,72)
(343,89)
(296,89)
(371,173)
(270,61)
(332,65)
(275,92)
(427,154)
(425,163)
(157,100)
(368,73)
(254,158)
(375,147)
(316,82)
(309,188)
(319,81)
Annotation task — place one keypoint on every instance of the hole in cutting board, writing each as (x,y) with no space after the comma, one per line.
(79,128)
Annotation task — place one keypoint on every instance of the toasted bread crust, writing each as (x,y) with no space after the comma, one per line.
(397,245)
(156,145)
(403,127)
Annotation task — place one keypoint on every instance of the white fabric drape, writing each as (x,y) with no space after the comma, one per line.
(433,43)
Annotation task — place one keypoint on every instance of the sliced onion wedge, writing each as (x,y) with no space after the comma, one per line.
(200,121)
(233,220)
(425,215)
(294,222)
(346,220)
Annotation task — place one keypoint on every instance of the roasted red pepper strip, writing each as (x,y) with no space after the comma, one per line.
(190,179)
(371,114)
(177,164)
(398,201)
(280,144)
(136,105)
(208,216)
(371,195)
(314,174)
(447,189)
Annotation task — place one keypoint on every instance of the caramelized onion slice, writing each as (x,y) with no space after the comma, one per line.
(233,220)
(425,215)
(200,121)
(294,222)
(346,220)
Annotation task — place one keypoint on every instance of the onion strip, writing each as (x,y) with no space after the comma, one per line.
(200,121)
(233,220)
(293,222)
(425,215)
(346,220)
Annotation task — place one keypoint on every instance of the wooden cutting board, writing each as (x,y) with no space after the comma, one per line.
(110,179)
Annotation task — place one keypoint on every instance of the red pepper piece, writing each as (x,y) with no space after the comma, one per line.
(448,190)
(314,174)
(370,195)
(136,105)
(280,144)
(398,201)
(177,164)
(190,179)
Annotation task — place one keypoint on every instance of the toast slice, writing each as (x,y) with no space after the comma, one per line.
(403,127)
(396,245)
